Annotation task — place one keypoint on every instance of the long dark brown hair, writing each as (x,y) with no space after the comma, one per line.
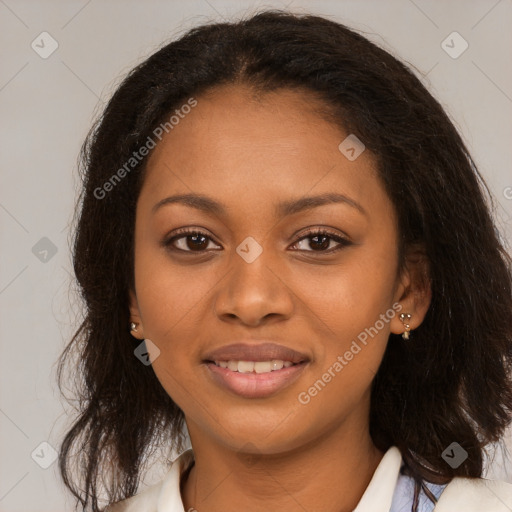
(451,383)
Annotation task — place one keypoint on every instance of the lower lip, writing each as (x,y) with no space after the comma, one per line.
(255,385)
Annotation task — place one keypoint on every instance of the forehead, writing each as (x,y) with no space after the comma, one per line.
(242,146)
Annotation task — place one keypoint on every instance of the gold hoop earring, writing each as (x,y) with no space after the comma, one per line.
(405,318)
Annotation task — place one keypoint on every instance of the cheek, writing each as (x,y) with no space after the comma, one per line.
(173,305)
(352,307)
(168,293)
(171,301)
(350,296)
(351,342)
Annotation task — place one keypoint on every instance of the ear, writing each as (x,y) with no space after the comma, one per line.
(135,316)
(414,291)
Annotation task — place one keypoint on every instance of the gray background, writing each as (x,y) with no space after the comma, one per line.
(47,106)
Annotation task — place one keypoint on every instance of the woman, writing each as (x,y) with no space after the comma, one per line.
(284,245)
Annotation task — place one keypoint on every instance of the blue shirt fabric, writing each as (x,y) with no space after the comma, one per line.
(404,495)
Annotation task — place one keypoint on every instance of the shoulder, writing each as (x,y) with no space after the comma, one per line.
(475,495)
(166,491)
(145,501)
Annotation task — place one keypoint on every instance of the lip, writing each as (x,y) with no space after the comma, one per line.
(255,352)
(255,385)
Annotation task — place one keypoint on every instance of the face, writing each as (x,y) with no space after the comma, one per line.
(256,270)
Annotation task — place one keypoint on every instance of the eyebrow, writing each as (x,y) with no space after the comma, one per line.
(282,209)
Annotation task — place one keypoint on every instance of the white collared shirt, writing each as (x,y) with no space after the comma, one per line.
(388,491)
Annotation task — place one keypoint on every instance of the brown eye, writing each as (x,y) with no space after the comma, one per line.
(189,241)
(320,241)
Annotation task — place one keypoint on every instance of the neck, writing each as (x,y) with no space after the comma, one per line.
(329,474)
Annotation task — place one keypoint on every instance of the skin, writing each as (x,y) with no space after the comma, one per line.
(249,153)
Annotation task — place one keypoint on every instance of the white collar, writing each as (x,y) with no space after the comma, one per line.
(169,499)
(379,493)
(376,498)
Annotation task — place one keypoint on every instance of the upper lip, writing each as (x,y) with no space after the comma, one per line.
(255,352)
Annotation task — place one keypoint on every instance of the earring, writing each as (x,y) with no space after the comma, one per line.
(405,318)
(133,326)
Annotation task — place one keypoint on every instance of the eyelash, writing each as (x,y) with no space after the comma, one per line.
(185,232)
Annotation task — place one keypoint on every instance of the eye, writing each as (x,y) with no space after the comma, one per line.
(187,240)
(321,239)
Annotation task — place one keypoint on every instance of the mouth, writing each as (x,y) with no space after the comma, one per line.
(254,379)
(254,370)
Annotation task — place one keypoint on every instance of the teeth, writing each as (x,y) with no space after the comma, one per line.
(254,366)
(245,366)
(262,366)
(277,364)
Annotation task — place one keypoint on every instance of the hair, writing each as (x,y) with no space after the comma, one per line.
(450,382)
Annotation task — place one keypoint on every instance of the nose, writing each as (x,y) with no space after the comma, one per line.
(254,292)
